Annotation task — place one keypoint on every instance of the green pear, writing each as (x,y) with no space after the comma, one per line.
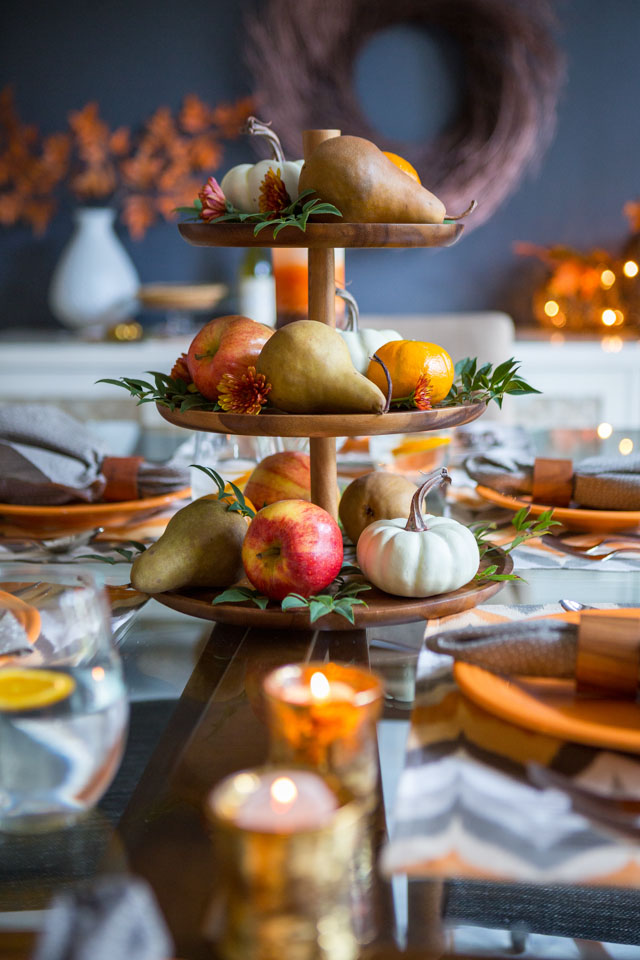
(375,496)
(201,547)
(310,371)
(365,186)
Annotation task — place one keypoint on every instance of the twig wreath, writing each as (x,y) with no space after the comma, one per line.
(302,56)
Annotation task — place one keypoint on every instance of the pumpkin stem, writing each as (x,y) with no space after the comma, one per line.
(389,384)
(260,129)
(353,313)
(470,209)
(416,523)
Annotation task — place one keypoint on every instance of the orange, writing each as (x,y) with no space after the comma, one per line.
(24,689)
(407,361)
(403,164)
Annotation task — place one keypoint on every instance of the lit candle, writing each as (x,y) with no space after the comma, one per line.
(324,715)
(318,690)
(278,801)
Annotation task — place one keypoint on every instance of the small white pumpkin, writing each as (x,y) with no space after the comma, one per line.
(241,184)
(421,556)
(362,344)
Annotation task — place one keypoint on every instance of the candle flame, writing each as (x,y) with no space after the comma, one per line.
(319,685)
(283,794)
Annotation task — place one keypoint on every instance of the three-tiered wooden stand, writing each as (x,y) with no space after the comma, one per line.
(321,239)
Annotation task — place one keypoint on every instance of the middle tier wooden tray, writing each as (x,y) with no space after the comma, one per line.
(382,608)
(324,235)
(324,424)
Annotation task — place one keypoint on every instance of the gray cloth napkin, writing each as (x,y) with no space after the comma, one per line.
(602,483)
(116,917)
(48,458)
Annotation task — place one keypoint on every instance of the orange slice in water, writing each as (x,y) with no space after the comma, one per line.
(24,689)
(403,165)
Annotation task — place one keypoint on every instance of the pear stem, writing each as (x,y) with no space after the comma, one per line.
(389,384)
(353,318)
(470,209)
(258,128)
(416,523)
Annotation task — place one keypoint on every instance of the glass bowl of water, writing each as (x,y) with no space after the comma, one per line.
(63,704)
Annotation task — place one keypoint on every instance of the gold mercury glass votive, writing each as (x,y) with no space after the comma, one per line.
(285,841)
(323,715)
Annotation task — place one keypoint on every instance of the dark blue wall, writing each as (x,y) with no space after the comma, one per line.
(134,56)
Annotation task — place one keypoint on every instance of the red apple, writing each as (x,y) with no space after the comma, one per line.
(281,476)
(292,547)
(224,345)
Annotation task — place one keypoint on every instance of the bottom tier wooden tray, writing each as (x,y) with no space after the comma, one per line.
(382,608)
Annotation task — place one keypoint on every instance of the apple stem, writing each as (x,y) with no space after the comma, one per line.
(416,523)
(353,318)
(269,552)
(470,209)
(389,384)
(259,128)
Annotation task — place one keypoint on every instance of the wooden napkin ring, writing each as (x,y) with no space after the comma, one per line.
(552,481)
(608,655)
(121,474)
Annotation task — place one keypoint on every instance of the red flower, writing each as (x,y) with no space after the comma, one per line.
(245,393)
(213,200)
(422,393)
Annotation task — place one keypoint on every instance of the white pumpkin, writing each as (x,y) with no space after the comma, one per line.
(241,184)
(362,344)
(421,556)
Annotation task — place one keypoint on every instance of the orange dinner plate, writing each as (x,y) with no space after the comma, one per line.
(552,707)
(45,521)
(574,518)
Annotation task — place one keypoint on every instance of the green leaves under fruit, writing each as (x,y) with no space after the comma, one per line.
(170,392)
(484,384)
(526,529)
(342,599)
(295,215)
(128,555)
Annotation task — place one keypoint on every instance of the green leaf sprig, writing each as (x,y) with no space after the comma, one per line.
(343,598)
(236,505)
(171,392)
(295,215)
(526,529)
(473,384)
(128,555)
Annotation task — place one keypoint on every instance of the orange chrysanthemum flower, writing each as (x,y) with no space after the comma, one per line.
(245,393)
(422,393)
(180,370)
(273,193)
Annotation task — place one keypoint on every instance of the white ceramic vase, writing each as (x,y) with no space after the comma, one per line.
(95,282)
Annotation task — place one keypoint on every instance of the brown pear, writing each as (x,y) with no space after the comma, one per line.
(365,186)
(375,496)
(201,547)
(310,371)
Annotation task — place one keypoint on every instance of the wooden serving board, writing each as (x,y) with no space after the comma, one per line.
(323,424)
(323,235)
(382,608)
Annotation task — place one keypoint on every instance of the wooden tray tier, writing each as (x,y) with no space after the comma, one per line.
(324,235)
(323,424)
(382,608)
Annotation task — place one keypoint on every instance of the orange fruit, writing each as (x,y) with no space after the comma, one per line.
(403,164)
(24,689)
(407,361)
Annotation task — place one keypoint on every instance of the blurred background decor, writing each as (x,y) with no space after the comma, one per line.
(507,105)
(143,174)
(593,291)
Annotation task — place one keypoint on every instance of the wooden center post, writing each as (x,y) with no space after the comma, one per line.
(322,283)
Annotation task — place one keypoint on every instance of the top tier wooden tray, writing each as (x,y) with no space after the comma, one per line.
(324,235)
(323,424)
